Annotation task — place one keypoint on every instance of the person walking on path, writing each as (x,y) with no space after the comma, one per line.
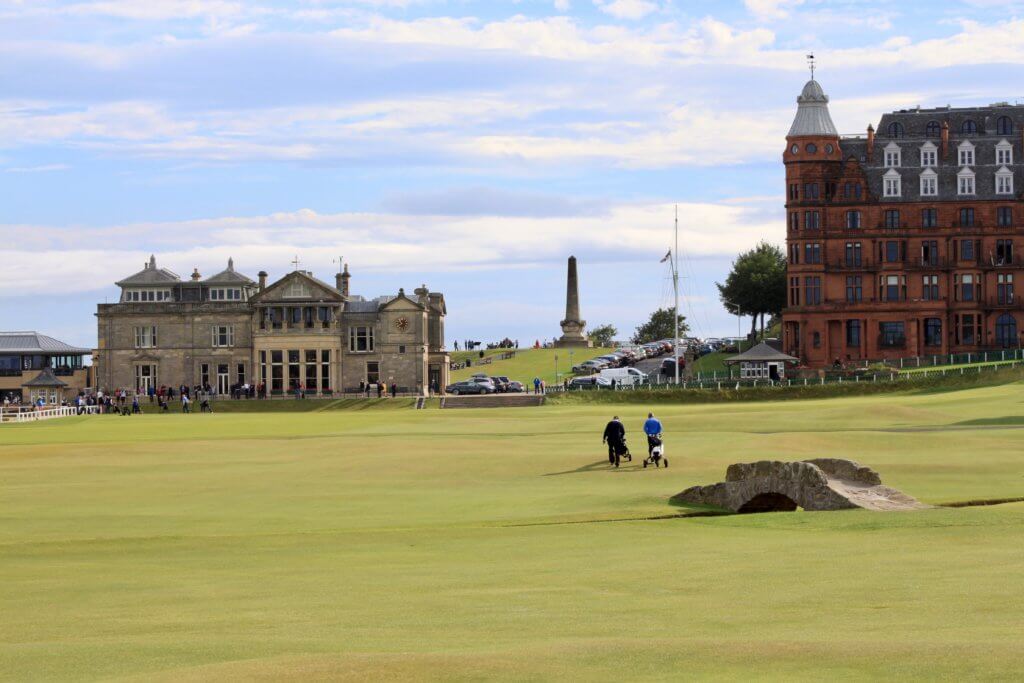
(536,385)
(614,436)
(652,428)
(185,408)
(378,389)
(136,410)
(394,389)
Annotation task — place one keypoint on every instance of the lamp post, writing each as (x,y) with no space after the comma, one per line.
(556,368)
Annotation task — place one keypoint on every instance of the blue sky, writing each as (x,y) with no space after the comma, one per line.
(468,145)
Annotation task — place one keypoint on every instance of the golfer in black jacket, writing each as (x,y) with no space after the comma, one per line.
(614,436)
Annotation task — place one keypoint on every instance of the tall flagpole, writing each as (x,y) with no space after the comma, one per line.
(675,287)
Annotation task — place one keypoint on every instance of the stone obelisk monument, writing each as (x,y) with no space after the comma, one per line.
(573,325)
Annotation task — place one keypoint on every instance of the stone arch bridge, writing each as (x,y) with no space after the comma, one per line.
(820,484)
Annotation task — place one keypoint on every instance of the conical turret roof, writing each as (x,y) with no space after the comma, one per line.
(812,117)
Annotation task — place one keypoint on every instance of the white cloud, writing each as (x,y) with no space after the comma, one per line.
(59,260)
(626,9)
(771,9)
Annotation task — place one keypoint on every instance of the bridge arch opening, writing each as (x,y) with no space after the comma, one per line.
(769,502)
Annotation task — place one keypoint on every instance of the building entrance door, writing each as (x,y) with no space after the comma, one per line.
(223,380)
(145,377)
(434,378)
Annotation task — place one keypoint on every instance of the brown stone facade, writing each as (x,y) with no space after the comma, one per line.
(296,332)
(875,276)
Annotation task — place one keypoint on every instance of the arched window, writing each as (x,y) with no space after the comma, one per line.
(895,129)
(1006,331)
(1004,126)
(969,127)
(933,129)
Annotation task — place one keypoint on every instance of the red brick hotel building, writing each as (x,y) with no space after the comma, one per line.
(902,243)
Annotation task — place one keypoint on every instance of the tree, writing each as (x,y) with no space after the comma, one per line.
(756,284)
(660,326)
(603,335)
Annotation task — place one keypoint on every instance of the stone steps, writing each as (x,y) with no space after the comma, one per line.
(493,401)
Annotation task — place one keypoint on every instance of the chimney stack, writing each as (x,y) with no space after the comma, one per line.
(945,139)
(423,295)
(263,279)
(341,281)
(871,140)
(196,277)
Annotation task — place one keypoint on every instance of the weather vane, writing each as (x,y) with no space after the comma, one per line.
(296,262)
(810,63)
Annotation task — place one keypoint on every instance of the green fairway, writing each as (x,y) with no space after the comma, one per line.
(476,544)
(530,363)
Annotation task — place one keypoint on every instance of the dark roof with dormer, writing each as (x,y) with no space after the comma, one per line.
(914,135)
(812,117)
(229,276)
(46,378)
(35,343)
(151,275)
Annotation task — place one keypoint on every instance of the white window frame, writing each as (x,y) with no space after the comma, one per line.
(965,153)
(225,331)
(893,155)
(966,184)
(929,155)
(225,294)
(892,184)
(145,336)
(1004,153)
(929,183)
(298,290)
(1004,181)
(357,332)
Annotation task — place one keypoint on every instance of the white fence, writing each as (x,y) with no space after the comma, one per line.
(32,415)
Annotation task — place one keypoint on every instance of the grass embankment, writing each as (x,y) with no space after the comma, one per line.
(728,394)
(291,405)
(530,363)
(456,545)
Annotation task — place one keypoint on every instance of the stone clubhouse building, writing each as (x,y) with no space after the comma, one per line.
(228,330)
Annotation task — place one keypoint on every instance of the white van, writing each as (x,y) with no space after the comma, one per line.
(625,377)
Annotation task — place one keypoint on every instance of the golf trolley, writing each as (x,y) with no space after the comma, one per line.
(657,456)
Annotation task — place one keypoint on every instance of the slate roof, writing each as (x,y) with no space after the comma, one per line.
(46,378)
(762,353)
(353,306)
(229,276)
(812,117)
(915,124)
(35,343)
(151,275)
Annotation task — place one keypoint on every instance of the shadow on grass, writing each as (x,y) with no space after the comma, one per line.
(1006,420)
(592,467)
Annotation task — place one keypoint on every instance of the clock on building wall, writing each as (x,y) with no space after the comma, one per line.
(402,324)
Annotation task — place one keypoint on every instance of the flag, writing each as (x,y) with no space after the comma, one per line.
(667,256)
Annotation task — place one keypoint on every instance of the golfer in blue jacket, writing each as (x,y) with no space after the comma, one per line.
(652,428)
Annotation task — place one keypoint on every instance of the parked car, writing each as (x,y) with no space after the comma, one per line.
(590,366)
(516,387)
(668,366)
(469,387)
(624,377)
(591,382)
(501,383)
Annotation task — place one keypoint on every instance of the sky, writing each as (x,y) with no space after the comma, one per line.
(466,144)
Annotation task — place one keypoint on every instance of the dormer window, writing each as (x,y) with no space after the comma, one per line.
(891,184)
(225,294)
(929,155)
(895,129)
(1004,153)
(1004,126)
(969,127)
(965,182)
(1004,181)
(892,155)
(929,183)
(146,295)
(933,129)
(966,151)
